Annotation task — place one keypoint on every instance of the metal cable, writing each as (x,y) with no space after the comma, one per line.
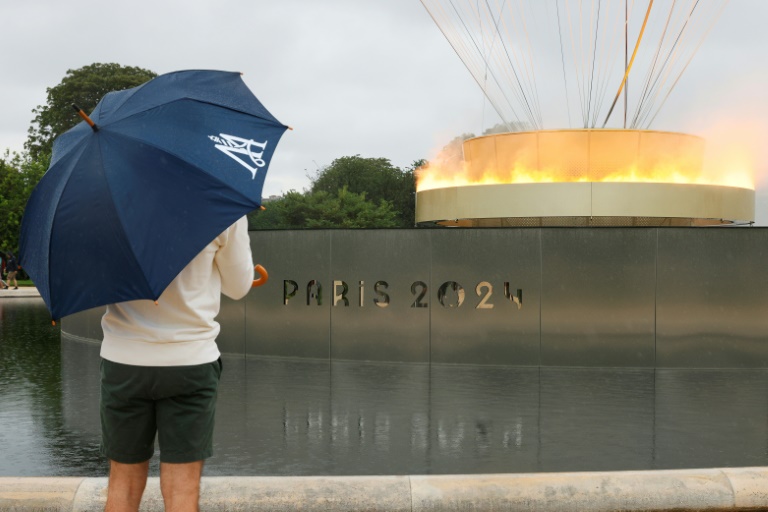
(629,68)
(562,60)
(444,28)
(665,68)
(531,115)
(649,75)
(594,55)
(720,13)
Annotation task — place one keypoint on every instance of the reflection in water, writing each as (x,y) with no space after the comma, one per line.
(288,417)
(34,437)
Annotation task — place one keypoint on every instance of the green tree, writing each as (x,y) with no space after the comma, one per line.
(377,178)
(84,87)
(323,210)
(349,210)
(18,176)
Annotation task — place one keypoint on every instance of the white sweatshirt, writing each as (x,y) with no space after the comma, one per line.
(181,328)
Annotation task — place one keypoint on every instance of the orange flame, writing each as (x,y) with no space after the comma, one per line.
(726,165)
(434,175)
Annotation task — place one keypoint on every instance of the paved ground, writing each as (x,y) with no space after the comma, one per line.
(23,291)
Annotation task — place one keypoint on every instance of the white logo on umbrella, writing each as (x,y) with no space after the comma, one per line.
(239,148)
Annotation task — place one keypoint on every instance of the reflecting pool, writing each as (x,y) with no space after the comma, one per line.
(299,417)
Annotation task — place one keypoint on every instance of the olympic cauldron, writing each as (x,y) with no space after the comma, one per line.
(581,178)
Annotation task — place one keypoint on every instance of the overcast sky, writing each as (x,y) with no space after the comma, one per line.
(375,78)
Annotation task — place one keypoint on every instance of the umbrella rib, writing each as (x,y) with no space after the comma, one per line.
(271,118)
(77,150)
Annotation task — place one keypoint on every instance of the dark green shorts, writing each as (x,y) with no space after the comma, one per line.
(176,402)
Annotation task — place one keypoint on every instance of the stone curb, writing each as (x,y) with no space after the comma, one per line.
(23,291)
(680,490)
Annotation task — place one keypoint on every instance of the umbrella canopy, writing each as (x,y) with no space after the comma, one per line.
(127,203)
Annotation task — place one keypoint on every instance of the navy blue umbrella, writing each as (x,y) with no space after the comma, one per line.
(137,190)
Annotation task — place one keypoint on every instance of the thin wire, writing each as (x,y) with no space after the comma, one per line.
(445,28)
(497,35)
(585,108)
(720,13)
(498,45)
(610,63)
(664,71)
(626,54)
(485,86)
(576,64)
(608,56)
(501,89)
(531,115)
(594,51)
(669,64)
(524,64)
(500,63)
(516,91)
(562,60)
(645,89)
(531,67)
(629,68)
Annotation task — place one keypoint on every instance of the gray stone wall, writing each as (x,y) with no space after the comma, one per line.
(613,297)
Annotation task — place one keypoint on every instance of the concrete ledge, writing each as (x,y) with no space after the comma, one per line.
(38,494)
(680,490)
(23,291)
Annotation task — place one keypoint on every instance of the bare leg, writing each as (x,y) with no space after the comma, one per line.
(126,485)
(180,485)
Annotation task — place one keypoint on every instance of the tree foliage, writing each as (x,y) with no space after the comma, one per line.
(323,210)
(18,176)
(377,178)
(352,192)
(84,87)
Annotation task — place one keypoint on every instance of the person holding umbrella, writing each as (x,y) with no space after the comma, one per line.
(160,372)
(148,194)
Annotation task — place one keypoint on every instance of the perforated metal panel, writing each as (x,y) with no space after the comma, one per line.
(528,222)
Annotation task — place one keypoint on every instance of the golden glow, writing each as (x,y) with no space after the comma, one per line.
(586,156)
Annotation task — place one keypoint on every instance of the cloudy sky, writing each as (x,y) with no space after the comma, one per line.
(375,78)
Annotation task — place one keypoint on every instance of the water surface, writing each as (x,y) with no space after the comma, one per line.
(283,417)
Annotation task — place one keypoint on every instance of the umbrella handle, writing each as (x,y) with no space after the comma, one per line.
(85,117)
(263,276)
